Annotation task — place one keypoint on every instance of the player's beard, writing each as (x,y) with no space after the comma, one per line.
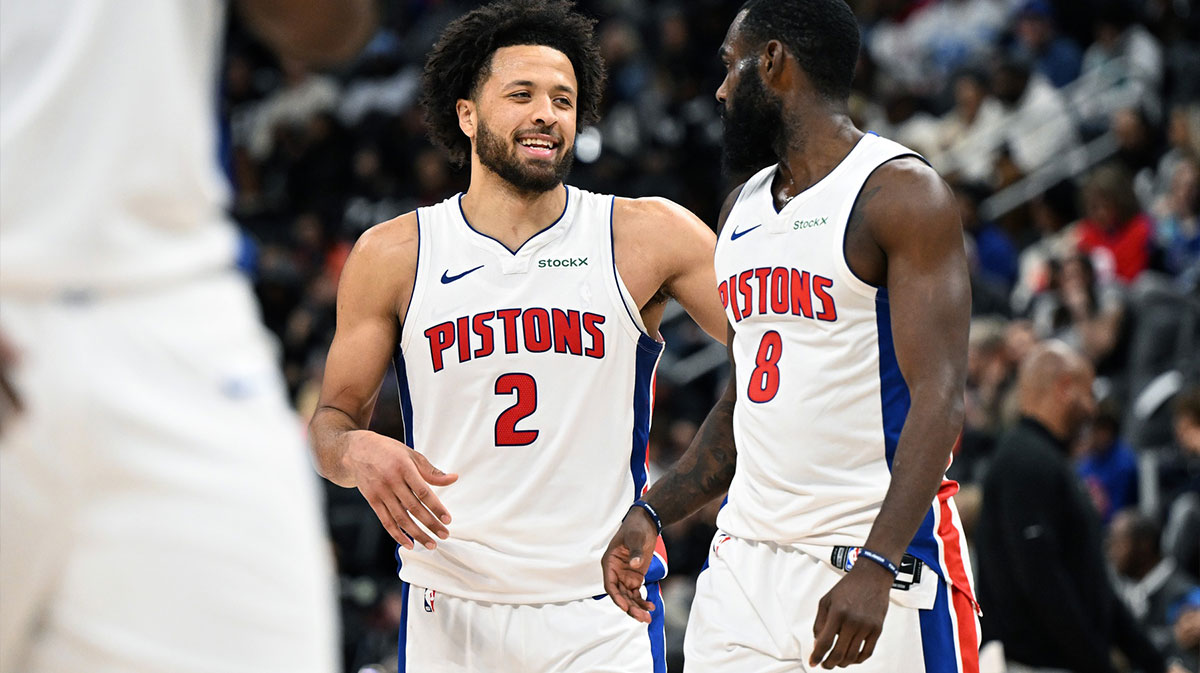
(525,175)
(753,126)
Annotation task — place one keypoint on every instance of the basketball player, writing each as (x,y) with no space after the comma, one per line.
(157,508)
(842,273)
(522,318)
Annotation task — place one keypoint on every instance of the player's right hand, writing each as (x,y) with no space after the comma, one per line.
(397,482)
(626,561)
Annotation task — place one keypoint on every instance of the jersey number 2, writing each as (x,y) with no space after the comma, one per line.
(525,388)
(764,380)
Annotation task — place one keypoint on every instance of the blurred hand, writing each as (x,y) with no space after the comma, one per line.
(396,481)
(853,612)
(626,561)
(10,402)
(1187,629)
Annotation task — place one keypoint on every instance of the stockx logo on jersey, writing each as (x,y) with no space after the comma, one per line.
(567,262)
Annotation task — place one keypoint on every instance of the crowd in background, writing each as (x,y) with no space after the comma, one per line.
(1068,129)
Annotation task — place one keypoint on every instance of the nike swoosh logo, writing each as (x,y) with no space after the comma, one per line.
(738,234)
(447,278)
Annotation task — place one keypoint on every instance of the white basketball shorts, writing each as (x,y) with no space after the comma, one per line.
(756,604)
(158,509)
(446,634)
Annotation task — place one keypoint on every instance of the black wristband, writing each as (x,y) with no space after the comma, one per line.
(645,506)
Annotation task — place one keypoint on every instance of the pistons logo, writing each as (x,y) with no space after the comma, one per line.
(430,594)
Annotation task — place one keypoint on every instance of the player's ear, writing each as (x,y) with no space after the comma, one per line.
(466,116)
(773,56)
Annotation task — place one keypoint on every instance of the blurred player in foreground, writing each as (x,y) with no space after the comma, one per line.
(157,508)
(842,270)
(522,316)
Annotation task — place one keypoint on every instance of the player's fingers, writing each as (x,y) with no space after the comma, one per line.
(399,512)
(421,489)
(845,648)
(825,628)
(430,473)
(412,503)
(389,523)
(868,647)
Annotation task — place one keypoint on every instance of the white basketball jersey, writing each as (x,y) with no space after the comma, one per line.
(821,400)
(530,375)
(108,144)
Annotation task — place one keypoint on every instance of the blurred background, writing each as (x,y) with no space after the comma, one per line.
(1069,130)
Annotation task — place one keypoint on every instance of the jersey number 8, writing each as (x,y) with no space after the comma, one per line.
(764,380)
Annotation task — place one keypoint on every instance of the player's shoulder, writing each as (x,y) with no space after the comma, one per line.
(388,249)
(656,217)
(904,194)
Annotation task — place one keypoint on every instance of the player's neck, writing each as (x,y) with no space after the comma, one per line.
(496,208)
(813,147)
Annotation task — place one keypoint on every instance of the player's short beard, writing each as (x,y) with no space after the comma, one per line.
(753,126)
(501,158)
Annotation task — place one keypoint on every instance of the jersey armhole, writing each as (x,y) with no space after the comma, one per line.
(418,289)
(635,326)
(858,285)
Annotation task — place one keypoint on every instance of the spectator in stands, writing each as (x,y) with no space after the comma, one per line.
(1041,571)
(1054,214)
(1037,124)
(1115,231)
(968,135)
(1180,481)
(1129,52)
(1177,220)
(1057,57)
(996,251)
(1153,587)
(1186,618)
(1079,309)
(1108,466)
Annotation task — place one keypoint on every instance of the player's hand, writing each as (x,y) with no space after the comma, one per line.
(852,612)
(626,561)
(397,481)
(10,402)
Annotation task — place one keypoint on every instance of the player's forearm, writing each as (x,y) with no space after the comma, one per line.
(933,424)
(330,430)
(702,473)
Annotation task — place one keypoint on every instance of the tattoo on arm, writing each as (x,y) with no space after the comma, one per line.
(703,472)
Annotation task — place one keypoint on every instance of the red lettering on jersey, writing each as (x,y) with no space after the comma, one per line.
(733,304)
(464,339)
(747,294)
(509,316)
(567,335)
(723,290)
(762,274)
(828,311)
(484,330)
(801,299)
(591,325)
(779,291)
(536,322)
(440,338)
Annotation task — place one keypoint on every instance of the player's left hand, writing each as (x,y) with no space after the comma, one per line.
(852,612)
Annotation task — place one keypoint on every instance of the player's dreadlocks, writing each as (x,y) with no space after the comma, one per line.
(462,57)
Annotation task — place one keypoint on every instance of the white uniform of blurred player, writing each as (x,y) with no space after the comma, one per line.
(157,508)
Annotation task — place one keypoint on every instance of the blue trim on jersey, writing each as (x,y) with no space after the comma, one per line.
(561,215)
(893,390)
(406,409)
(895,403)
(657,628)
(648,352)
(402,644)
(937,635)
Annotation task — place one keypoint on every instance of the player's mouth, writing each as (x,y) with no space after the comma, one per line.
(538,145)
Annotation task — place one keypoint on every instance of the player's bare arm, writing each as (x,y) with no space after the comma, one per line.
(703,473)
(395,480)
(905,234)
(664,251)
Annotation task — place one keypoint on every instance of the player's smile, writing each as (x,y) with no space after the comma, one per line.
(538,145)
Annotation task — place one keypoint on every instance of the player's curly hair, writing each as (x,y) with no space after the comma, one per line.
(462,57)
